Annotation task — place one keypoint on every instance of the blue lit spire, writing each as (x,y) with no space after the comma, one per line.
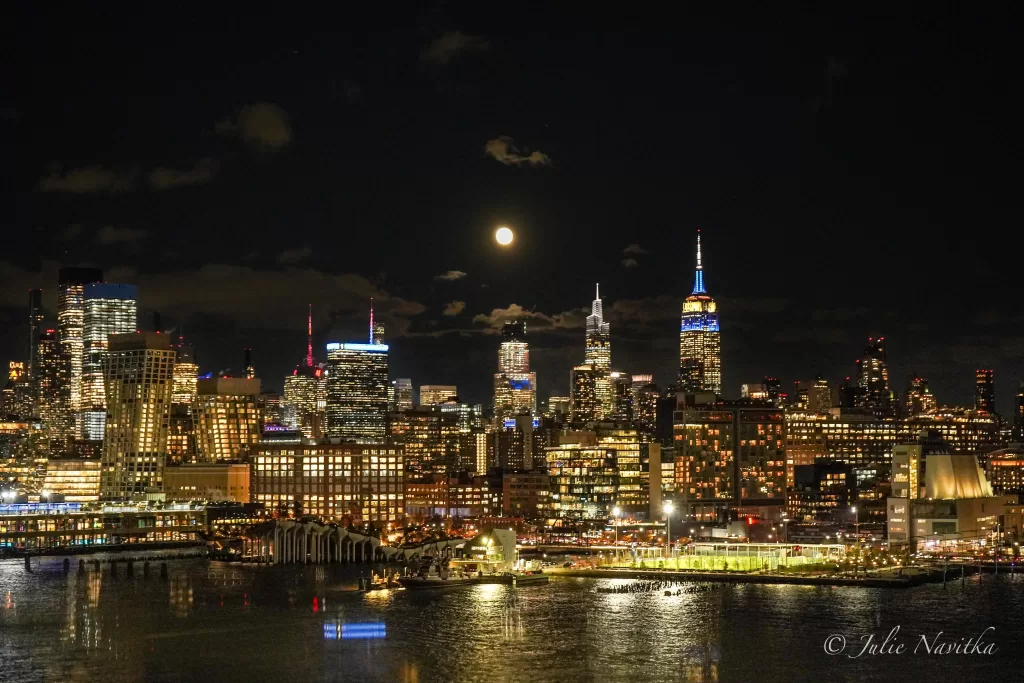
(698,282)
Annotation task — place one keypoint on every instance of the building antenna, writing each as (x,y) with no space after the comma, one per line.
(309,338)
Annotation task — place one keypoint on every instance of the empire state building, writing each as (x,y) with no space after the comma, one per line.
(700,344)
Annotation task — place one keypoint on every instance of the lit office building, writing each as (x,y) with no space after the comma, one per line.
(269,406)
(919,398)
(583,481)
(966,431)
(559,409)
(525,494)
(586,405)
(598,354)
(364,482)
(250,370)
(186,374)
(213,482)
(76,480)
(227,420)
(433,394)
(357,391)
(18,394)
(819,397)
(518,443)
(300,406)
(182,445)
(400,398)
(823,491)
(52,388)
(622,397)
(109,309)
(35,324)
(984,391)
(873,380)
(729,456)
(700,343)
(138,373)
(631,496)
(430,438)
(515,387)
(71,327)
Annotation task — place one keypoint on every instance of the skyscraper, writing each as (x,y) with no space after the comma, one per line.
(51,391)
(819,396)
(984,390)
(71,326)
(401,395)
(585,404)
(227,422)
(35,324)
(1018,415)
(920,398)
(700,344)
(138,372)
(109,309)
(598,354)
(873,380)
(515,387)
(357,388)
(186,374)
(250,371)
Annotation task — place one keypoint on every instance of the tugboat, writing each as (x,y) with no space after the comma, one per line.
(434,573)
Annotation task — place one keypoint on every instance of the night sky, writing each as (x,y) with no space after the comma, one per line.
(849,178)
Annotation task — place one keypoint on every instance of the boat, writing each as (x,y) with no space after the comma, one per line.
(435,573)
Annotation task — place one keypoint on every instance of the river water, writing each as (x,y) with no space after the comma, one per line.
(221,622)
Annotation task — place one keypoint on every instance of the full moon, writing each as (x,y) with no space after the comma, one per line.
(504,236)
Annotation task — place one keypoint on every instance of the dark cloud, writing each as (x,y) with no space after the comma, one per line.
(88,179)
(163,178)
(71,232)
(630,263)
(504,151)
(108,234)
(447,47)
(263,125)
(634,250)
(571,319)
(450,276)
(292,256)
(453,308)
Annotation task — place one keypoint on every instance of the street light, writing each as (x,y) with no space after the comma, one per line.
(668,525)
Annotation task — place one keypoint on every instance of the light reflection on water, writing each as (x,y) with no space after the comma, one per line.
(245,623)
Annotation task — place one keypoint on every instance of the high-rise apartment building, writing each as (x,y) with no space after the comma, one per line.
(52,386)
(873,380)
(138,375)
(515,387)
(71,327)
(700,343)
(227,419)
(357,391)
(1018,414)
(433,394)
(109,309)
(586,405)
(645,395)
(819,396)
(984,391)
(583,481)
(35,324)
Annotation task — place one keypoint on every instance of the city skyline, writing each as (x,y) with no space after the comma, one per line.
(206,193)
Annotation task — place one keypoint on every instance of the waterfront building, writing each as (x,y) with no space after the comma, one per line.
(186,374)
(700,344)
(227,419)
(330,479)
(984,391)
(73,480)
(109,309)
(138,374)
(515,387)
(729,455)
(400,398)
(213,482)
(434,394)
(823,491)
(71,329)
(873,380)
(450,497)
(583,481)
(586,404)
(52,386)
(919,398)
(357,390)
(1005,470)
(525,494)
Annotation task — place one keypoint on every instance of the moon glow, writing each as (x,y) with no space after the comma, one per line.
(504,236)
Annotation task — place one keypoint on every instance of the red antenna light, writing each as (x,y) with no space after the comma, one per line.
(309,339)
